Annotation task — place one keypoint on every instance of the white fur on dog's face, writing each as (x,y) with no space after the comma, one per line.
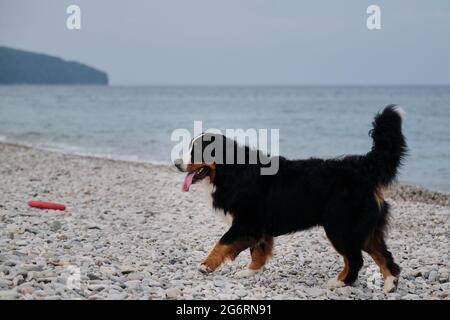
(187,156)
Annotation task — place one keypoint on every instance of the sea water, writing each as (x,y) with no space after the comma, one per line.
(136,123)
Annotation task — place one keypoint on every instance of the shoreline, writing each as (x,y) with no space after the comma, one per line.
(129,232)
(397,191)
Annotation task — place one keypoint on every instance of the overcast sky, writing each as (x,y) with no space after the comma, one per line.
(220,42)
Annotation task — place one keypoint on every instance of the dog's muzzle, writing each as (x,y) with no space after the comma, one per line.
(179,164)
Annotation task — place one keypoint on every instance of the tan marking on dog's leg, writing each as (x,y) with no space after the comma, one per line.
(222,252)
(390,281)
(215,258)
(344,271)
(381,262)
(339,280)
(260,254)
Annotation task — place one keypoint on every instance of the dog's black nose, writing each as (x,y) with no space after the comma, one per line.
(178,163)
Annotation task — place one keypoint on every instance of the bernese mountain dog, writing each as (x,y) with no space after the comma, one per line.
(343,195)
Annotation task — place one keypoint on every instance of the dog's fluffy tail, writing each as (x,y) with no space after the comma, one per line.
(389,146)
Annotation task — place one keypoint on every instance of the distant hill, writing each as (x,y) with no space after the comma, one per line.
(24,67)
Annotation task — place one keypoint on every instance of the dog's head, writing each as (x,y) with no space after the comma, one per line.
(200,162)
(219,159)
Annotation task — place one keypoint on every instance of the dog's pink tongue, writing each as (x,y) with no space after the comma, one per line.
(188,181)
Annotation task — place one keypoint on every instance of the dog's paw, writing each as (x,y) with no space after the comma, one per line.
(203,268)
(335,283)
(245,273)
(390,284)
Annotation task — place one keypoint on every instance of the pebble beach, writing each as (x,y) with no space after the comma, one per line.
(129,232)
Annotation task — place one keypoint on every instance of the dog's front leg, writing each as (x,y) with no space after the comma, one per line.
(228,247)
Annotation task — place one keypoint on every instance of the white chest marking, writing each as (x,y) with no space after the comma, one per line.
(207,189)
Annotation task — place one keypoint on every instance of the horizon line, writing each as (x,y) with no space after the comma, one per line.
(283,85)
(233,85)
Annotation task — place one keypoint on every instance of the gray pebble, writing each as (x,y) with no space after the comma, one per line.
(26,288)
(133,284)
(5,283)
(433,276)
(56,225)
(241,293)
(32,267)
(8,295)
(173,293)
(315,292)
(96,287)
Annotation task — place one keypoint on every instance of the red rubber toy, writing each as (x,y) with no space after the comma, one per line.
(46,205)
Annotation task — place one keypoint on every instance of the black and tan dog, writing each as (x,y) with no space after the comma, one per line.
(343,195)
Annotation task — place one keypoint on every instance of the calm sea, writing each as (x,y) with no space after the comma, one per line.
(135,123)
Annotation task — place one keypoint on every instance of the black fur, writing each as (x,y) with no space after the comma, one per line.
(389,146)
(337,194)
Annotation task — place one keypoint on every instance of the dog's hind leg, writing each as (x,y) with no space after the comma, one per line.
(353,260)
(377,249)
(260,254)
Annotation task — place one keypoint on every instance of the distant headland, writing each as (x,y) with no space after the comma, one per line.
(24,67)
